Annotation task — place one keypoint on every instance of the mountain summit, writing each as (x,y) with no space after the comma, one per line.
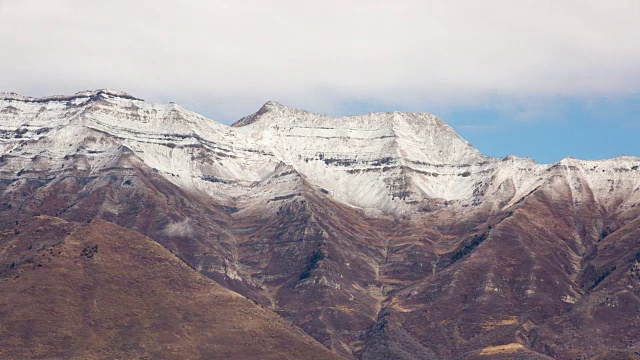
(269,107)
(383,235)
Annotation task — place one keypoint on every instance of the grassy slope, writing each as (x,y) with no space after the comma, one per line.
(59,298)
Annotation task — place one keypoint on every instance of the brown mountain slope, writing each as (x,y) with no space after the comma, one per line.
(543,281)
(532,278)
(101,291)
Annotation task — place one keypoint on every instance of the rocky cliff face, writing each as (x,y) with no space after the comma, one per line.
(380,235)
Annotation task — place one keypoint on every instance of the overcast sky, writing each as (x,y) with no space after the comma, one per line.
(544,79)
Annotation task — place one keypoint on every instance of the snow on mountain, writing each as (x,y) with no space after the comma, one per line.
(368,160)
(395,162)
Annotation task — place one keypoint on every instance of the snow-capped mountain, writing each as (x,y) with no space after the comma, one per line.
(395,162)
(383,235)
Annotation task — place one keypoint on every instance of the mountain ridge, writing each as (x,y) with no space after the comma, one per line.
(80,94)
(378,236)
(413,157)
(12,96)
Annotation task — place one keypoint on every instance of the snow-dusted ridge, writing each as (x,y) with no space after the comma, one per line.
(81,94)
(395,162)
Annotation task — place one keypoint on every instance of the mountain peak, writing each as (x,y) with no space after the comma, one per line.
(270,106)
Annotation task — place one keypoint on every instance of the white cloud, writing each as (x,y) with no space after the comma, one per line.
(227,57)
